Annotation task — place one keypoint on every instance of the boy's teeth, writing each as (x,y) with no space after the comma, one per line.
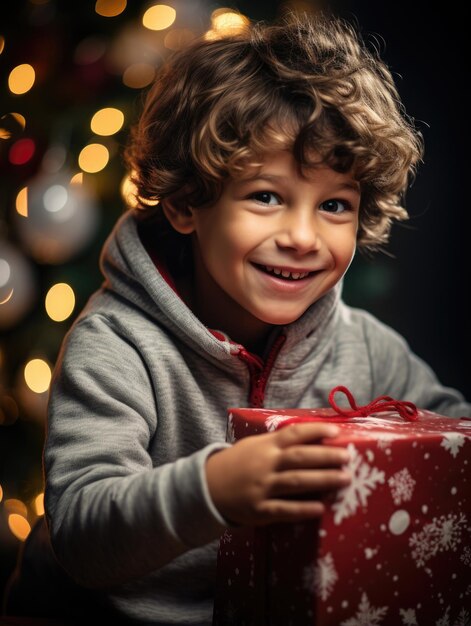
(285,273)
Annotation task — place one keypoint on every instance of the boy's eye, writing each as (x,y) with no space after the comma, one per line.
(336,206)
(266,197)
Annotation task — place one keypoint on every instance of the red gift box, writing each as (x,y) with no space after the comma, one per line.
(392,548)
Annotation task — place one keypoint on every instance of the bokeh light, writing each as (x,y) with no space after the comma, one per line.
(18,286)
(159,17)
(2,43)
(20,119)
(11,123)
(37,374)
(13,505)
(21,202)
(107,121)
(129,193)
(60,302)
(227,18)
(224,22)
(39,504)
(77,179)
(6,298)
(110,8)
(1,493)
(139,75)
(19,526)
(21,151)
(5,272)
(21,78)
(62,218)
(55,198)
(93,158)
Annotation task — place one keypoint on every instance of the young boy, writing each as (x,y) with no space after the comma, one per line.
(272,154)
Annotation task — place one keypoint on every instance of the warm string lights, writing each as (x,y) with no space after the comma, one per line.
(21,79)
(11,123)
(60,302)
(159,17)
(110,8)
(55,190)
(107,121)
(21,517)
(224,22)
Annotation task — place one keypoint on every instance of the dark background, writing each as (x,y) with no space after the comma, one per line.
(430,273)
(419,287)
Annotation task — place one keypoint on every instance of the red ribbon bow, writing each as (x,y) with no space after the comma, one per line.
(407,410)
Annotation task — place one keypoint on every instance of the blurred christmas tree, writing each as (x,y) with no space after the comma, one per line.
(72,76)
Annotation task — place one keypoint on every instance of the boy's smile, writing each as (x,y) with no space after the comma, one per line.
(271,246)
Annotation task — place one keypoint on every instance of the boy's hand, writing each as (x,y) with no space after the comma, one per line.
(256,481)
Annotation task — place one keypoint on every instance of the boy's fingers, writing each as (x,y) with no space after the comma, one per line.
(302,433)
(275,511)
(312,456)
(296,482)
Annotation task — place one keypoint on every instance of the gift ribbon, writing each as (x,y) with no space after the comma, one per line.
(407,410)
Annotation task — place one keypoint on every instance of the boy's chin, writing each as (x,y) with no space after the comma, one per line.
(280,318)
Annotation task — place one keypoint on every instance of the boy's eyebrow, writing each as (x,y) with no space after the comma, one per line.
(353,185)
(349,185)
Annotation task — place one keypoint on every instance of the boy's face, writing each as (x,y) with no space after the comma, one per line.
(274,244)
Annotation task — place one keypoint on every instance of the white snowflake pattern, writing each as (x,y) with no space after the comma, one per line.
(463,619)
(423,546)
(367,615)
(402,486)
(408,616)
(273,421)
(322,577)
(364,480)
(384,440)
(442,534)
(452,442)
(466,556)
(468,590)
(445,618)
(230,433)
(449,531)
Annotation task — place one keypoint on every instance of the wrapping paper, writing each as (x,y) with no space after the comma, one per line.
(393,548)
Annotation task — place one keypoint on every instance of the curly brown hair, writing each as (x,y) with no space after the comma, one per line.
(307,84)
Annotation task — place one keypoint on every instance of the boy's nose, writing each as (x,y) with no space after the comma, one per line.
(300,232)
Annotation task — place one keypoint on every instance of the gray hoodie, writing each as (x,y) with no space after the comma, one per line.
(139,400)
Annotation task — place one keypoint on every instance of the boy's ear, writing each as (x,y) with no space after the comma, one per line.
(179,214)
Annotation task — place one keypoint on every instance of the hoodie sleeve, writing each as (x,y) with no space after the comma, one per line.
(112,516)
(399,373)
